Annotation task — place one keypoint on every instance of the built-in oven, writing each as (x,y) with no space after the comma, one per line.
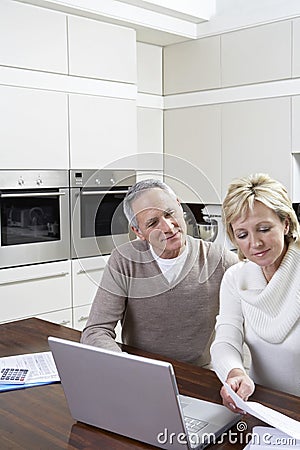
(98,223)
(34,218)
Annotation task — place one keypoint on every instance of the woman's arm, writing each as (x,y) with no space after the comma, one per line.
(227,348)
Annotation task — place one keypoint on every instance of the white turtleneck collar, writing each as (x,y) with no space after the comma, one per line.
(273,308)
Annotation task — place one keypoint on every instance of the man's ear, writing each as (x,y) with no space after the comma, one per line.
(138,233)
(179,202)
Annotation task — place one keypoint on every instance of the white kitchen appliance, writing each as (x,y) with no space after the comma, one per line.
(98,223)
(212,214)
(34,217)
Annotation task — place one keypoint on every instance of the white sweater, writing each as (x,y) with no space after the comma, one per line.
(266,317)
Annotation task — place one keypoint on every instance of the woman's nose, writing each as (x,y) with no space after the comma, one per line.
(256,241)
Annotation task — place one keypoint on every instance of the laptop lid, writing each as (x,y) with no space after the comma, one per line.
(130,395)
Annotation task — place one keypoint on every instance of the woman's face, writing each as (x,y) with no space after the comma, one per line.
(260,236)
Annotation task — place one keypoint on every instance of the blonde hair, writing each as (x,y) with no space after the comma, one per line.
(243,192)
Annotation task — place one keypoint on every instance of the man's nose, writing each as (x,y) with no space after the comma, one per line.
(166,224)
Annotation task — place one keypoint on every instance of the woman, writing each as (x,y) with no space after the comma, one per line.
(260,296)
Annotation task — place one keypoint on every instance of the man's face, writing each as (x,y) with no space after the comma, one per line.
(161,222)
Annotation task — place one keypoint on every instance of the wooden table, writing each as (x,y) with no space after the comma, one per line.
(38,417)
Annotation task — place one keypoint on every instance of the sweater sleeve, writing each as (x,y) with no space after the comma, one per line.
(227,348)
(107,309)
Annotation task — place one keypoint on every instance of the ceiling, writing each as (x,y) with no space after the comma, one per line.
(159,22)
(165,22)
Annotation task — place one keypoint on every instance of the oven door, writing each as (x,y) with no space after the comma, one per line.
(98,223)
(34,226)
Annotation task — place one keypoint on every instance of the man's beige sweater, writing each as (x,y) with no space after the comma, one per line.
(176,320)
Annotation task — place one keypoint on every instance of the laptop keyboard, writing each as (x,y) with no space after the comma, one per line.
(194,425)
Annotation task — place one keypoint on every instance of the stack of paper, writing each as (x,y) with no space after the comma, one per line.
(268,415)
(42,369)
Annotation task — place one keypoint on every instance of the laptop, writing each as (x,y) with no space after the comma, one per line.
(135,397)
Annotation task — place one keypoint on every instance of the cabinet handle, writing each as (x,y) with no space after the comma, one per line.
(64,322)
(43,277)
(83,318)
(81,271)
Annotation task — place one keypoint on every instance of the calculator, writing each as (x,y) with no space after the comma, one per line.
(11,375)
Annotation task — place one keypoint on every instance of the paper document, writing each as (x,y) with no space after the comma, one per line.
(264,438)
(42,369)
(268,415)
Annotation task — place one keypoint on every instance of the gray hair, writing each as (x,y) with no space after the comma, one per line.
(136,190)
(243,192)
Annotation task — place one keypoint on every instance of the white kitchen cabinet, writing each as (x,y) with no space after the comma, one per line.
(103,132)
(34,290)
(149,68)
(256,54)
(63,317)
(150,138)
(101,50)
(295,124)
(86,276)
(33,129)
(192,66)
(193,153)
(256,137)
(80,317)
(32,37)
(296,48)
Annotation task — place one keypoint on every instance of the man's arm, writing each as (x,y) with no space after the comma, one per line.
(104,316)
(107,309)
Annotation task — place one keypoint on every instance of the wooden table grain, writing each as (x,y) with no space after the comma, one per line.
(38,418)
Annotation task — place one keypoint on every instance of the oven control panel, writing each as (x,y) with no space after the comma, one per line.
(104,178)
(33,179)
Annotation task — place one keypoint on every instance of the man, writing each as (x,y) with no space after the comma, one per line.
(163,286)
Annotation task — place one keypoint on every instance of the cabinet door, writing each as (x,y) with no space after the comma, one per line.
(102,132)
(149,68)
(32,38)
(63,317)
(256,137)
(295,124)
(33,290)
(81,315)
(192,65)
(193,153)
(86,276)
(296,48)
(33,129)
(101,50)
(150,138)
(256,54)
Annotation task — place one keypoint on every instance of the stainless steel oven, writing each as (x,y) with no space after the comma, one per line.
(98,223)
(34,219)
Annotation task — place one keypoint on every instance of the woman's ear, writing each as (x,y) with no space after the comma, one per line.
(286,226)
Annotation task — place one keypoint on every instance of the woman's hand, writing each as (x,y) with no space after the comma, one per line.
(240,383)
